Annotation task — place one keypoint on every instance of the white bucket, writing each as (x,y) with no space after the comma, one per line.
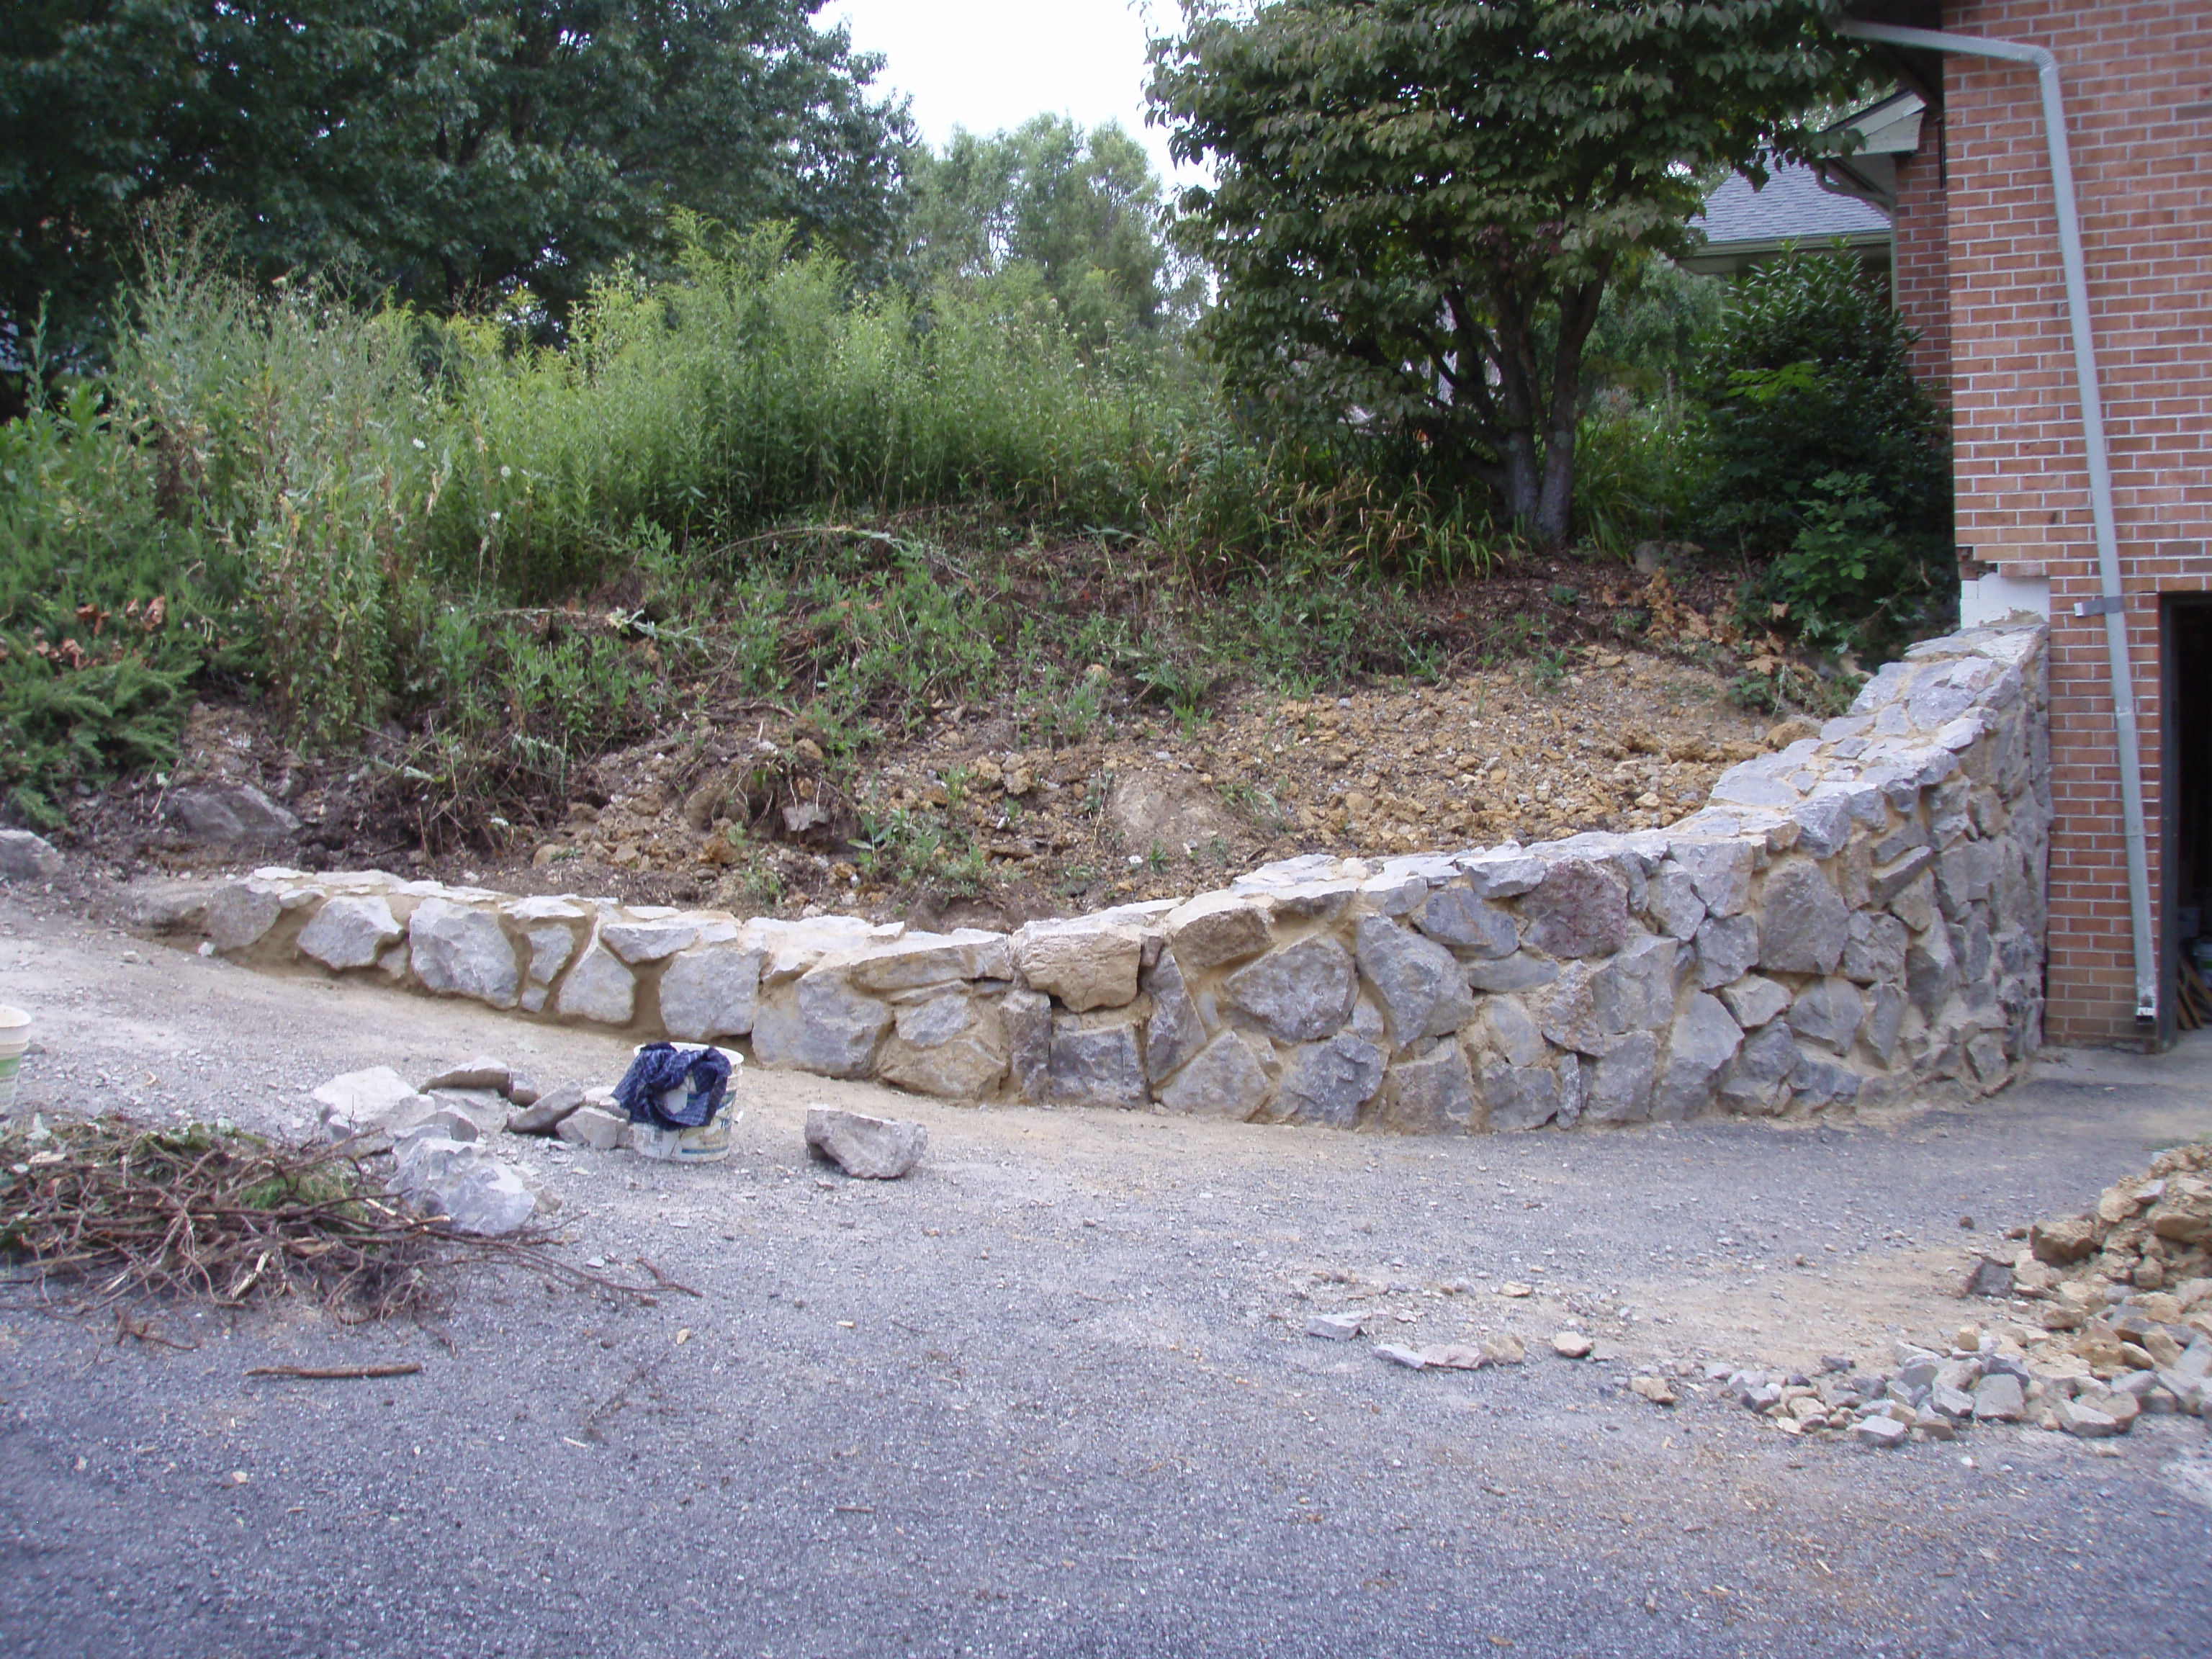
(14,1044)
(707,1144)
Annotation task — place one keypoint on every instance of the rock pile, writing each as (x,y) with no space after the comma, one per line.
(1858,914)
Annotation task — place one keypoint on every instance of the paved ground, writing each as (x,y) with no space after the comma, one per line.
(1048,1395)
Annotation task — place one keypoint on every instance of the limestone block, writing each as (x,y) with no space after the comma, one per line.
(1225,1079)
(1511,1032)
(1828,1012)
(1635,991)
(1301,993)
(819,1023)
(1328,1083)
(1433,1094)
(457,951)
(1453,917)
(1422,988)
(1672,902)
(551,947)
(1931,972)
(1915,904)
(1216,928)
(1518,972)
(1081,963)
(1522,1097)
(1500,872)
(1754,1080)
(952,1045)
(712,991)
(1720,871)
(1617,1086)
(864,1148)
(1886,1006)
(1727,949)
(1815,1080)
(1874,950)
(1701,1042)
(640,942)
(239,916)
(918,960)
(1577,911)
(599,988)
(1095,1061)
(1026,1016)
(1892,878)
(351,932)
(1754,1001)
(793,947)
(1806,924)
(1963,876)
(1175,1032)
(26,857)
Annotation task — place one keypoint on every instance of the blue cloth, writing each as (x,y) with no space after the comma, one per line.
(702,1073)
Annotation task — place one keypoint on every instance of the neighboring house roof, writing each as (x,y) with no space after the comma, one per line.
(1743,226)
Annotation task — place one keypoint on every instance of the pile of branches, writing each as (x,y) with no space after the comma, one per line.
(213,1213)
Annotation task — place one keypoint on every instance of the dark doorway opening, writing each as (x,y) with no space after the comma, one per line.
(2186,838)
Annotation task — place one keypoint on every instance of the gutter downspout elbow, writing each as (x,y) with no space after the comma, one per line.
(2126,733)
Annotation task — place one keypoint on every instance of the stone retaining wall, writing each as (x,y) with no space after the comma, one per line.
(1856,915)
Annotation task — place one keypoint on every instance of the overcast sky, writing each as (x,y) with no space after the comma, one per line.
(985,64)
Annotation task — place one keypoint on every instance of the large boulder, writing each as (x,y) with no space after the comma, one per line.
(1301,993)
(711,992)
(820,1024)
(952,1045)
(351,932)
(1806,925)
(26,857)
(1432,1094)
(1577,911)
(869,1148)
(227,814)
(1082,964)
(1095,1061)
(458,951)
(599,988)
(1420,984)
(1702,1042)
(1328,1083)
(1226,1079)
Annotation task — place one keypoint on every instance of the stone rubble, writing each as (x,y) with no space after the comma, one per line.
(1854,917)
(866,1148)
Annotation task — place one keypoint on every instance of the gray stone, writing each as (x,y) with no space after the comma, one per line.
(1521,972)
(1886,1006)
(1301,993)
(1225,1079)
(599,988)
(1915,905)
(1754,1079)
(240,914)
(820,1024)
(1617,1086)
(222,814)
(1216,928)
(1671,900)
(1521,1097)
(1328,1083)
(551,947)
(1500,872)
(1336,1327)
(377,1099)
(1635,991)
(1806,923)
(1721,870)
(1421,986)
(952,1045)
(1702,1042)
(349,932)
(1931,972)
(867,1148)
(1577,911)
(1027,1018)
(1999,1399)
(457,951)
(711,992)
(1890,880)
(1873,951)
(921,960)
(596,1128)
(1175,1032)
(1082,964)
(1433,1094)
(640,942)
(2085,1421)
(483,1072)
(475,1192)
(1453,917)
(1815,1080)
(1095,1064)
(1753,1001)
(1828,1012)
(547,1113)
(1726,949)
(26,857)
(1512,1032)
(1963,876)
(1880,1431)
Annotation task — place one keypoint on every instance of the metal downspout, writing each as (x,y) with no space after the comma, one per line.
(2108,603)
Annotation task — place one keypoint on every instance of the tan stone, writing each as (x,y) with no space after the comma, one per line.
(1080,963)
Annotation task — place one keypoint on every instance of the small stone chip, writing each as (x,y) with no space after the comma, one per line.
(1880,1431)
(1337,1327)
(1653,1388)
(1399,1356)
(1511,1287)
(1572,1345)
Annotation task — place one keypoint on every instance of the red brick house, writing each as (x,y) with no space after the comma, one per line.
(1981,269)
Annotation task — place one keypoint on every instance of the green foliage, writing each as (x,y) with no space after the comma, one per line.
(1083,210)
(1639,469)
(457,151)
(1419,209)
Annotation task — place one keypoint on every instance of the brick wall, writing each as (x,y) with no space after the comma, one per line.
(2137,75)
(1922,267)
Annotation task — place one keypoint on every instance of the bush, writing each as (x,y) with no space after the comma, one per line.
(1805,381)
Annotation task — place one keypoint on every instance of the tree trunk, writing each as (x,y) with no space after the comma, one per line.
(1554,514)
(1525,478)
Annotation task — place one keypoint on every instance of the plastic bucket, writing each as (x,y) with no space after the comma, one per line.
(14,1044)
(707,1144)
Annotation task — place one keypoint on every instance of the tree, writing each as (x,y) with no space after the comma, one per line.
(1084,209)
(1418,205)
(453,150)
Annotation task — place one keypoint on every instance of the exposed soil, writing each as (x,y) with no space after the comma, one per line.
(966,822)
